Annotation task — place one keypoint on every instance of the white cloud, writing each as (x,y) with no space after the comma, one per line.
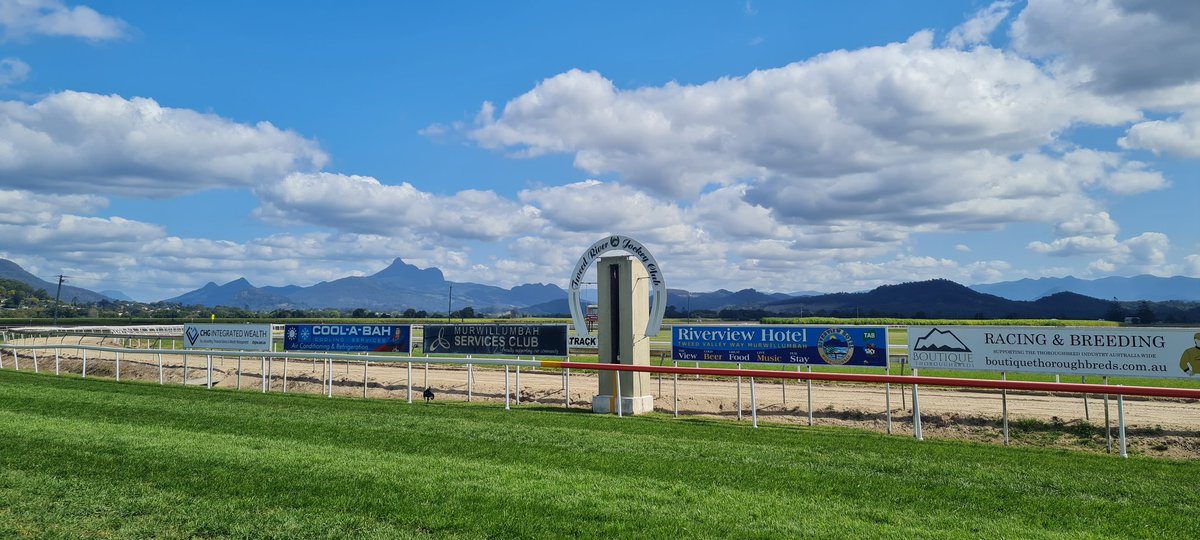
(21,18)
(979,27)
(1115,46)
(12,70)
(841,113)
(362,204)
(25,208)
(1178,137)
(1191,265)
(74,142)
(599,207)
(962,248)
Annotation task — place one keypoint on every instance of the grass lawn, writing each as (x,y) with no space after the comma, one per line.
(93,458)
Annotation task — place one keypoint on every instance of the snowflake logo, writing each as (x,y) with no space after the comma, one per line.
(304,335)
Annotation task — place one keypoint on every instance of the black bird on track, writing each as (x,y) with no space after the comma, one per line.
(428,394)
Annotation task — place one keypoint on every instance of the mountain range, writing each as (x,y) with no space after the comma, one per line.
(1125,289)
(402,286)
(69,294)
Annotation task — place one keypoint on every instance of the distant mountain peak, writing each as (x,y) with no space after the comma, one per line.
(400,271)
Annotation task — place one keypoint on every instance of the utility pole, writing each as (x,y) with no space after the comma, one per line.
(56,294)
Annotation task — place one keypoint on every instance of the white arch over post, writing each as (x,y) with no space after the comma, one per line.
(617,242)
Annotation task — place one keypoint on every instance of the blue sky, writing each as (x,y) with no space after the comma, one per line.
(151,147)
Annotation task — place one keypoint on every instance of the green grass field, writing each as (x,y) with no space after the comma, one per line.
(90,458)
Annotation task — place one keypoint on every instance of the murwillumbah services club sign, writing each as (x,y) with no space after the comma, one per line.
(658,302)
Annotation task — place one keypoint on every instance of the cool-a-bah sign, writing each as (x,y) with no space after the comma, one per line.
(850,346)
(240,337)
(1134,352)
(531,339)
(347,337)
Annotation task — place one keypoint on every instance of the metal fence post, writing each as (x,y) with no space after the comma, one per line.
(507,394)
(675,389)
(1107,425)
(1121,423)
(810,411)
(917,432)
(1004,406)
(410,382)
(739,393)
(753,405)
(620,405)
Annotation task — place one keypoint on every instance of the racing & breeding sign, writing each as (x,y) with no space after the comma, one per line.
(1133,352)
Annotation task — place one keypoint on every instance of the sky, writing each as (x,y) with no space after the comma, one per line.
(152,147)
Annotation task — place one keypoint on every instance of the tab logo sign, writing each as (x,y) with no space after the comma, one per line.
(238,337)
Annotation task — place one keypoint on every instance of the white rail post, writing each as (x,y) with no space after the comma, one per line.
(270,363)
(1121,423)
(917,432)
(210,369)
(426,374)
(366,363)
(83,374)
(285,370)
(567,386)
(56,361)
(1087,414)
(675,388)
(185,368)
(35,364)
(470,376)
(739,393)
(160,364)
(262,373)
(1107,424)
(239,373)
(330,394)
(506,392)
(809,384)
(410,382)
(16,360)
(753,405)
(620,406)
(1004,406)
(518,393)
(887,403)
(118,356)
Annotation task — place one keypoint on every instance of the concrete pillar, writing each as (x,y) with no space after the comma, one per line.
(623,288)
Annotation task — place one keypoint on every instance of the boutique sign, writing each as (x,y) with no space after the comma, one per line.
(1133,352)
(850,346)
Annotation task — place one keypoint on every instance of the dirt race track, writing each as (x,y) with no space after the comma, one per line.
(1160,427)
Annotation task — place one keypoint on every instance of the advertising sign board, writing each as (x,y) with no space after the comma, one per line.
(850,346)
(1133,352)
(585,342)
(347,337)
(242,337)
(531,339)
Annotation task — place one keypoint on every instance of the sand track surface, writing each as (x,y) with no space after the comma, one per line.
(1168,427)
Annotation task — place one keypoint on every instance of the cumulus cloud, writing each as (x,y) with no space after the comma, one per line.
(979,28)
(75,142)
(841,113)
(1177,137)
(1116,46)
(1096,234)
(21,18)
(26,208)
(12,70)
(1192,265)
(362,204)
